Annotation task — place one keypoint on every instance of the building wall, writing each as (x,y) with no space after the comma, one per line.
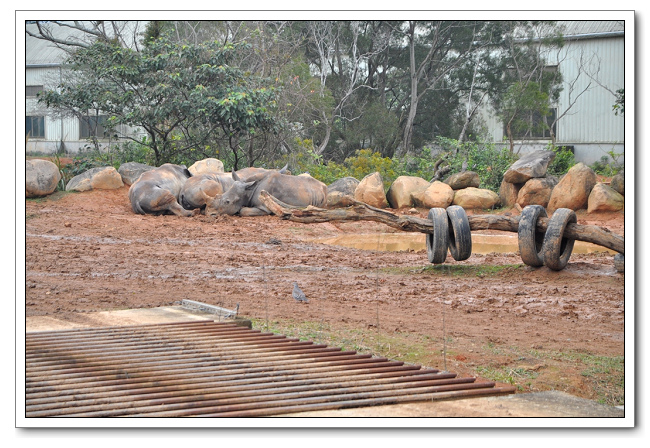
(58,131)
(589,125)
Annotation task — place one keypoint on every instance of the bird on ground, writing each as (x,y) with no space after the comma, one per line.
(298,294)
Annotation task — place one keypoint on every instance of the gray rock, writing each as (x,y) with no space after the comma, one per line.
(345,185)
(464,179)
(529,166)
(618,183)
(41,177)
(130,171)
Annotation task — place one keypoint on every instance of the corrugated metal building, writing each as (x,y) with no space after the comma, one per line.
(47,133)
(591,61)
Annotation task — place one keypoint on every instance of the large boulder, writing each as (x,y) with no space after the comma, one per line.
(41,177)
(209,165)
(529,166)
(604,198)
(536,191)
(345,185)
(437,194)
(371,191)
(478,198)
(399,193)
(100,178)
(618,183)
(573,189)
(131,171)
(464,179)
(508,193)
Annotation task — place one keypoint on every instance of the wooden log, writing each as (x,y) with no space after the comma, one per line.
(363,212)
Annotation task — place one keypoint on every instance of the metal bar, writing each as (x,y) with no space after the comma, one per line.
(205,368)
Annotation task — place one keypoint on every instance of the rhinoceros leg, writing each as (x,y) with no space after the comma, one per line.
(164,201)
(260,210)
(178,210)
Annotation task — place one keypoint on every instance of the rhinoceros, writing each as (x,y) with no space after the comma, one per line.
(243,197)
(204,187)
(157,191)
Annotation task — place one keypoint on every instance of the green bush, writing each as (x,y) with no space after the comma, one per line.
(608,165)
(563,161)
(486,159)
(366,161)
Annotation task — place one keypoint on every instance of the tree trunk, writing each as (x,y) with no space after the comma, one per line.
(364,212)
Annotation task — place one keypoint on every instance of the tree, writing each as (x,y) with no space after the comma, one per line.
(528,85)
(185,96)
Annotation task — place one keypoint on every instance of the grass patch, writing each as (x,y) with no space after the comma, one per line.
(508,375)
(605,374)
(458,270)
(406,347)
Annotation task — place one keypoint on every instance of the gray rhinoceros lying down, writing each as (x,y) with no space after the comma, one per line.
(204,187)
(157,191)
(243,197)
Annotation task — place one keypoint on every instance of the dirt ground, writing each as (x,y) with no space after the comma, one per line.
(89,252)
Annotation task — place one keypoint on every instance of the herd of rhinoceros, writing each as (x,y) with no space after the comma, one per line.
(173,189)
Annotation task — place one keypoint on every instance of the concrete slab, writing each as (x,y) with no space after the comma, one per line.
(542,404)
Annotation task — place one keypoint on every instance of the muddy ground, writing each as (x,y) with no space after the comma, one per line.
(488,316)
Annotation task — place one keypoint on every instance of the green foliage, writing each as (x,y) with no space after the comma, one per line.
(367,161)
(183,95)
(619,105)
(563,161)
(608,165)
(486,159)
(303,159)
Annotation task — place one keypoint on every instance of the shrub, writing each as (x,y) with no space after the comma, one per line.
(563,161)
(486,159)
(367,162)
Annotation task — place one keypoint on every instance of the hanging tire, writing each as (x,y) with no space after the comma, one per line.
(438,241)
(557,249)
(530,240)
(460,235)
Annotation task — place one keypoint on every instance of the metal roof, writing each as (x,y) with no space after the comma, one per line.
(590,27)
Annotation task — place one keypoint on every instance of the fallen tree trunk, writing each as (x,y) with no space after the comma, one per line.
(359,211)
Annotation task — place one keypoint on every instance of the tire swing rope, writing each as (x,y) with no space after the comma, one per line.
(531,242)
(557,248)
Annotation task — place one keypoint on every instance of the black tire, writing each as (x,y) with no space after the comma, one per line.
(619,262)
(438,241)
(557,249)
(460,235)
(530,240)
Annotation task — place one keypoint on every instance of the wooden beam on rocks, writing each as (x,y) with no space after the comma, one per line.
(360,211)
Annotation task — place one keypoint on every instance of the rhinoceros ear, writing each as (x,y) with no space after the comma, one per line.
(250,185)
(235,177)
(284,170)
